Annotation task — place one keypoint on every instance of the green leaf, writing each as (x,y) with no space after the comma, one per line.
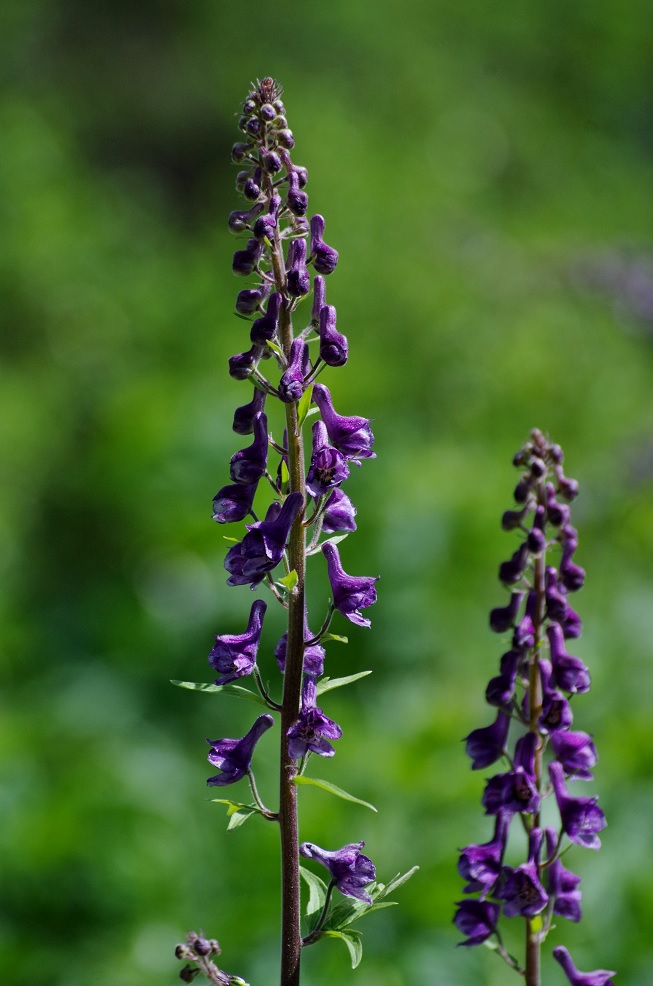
(352,940)
(239,817)
(335,540)
(236,691)
(334,636)
(331,789)
(290,580)
(231,540)
(275,348)
(327,684)
(348,911)
(398,881)
(317,891)
(285,475)
(303,406)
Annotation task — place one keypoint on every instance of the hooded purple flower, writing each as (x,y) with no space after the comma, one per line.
(569,672)
(556,599)
(245,261)
(500,690)
(313,729)
(503,617)
(339,513)
(325,257)
(561,883)
(556,711)
(248,465)
(484,746)
(581,818)
(481,864)
(234,655)
(333,345)
(522,891)
(234,756)
(262,547)
(313,655)
(242,365)
(516,790)
(244,416)
(328,466)
(264,329)
(298,278)
(291,385)
(350,593)
(249,300)
(233,503)
(576,752)
(350,870)
(477,919)
(600,977)
(350,435)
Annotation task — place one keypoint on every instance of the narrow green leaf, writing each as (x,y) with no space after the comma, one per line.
(275,348)
(327,684)
(317,891)
(335,540)
(290,580)
(352,940)
(236,691)
(231,540)
(398,881)
(239,817)
(245,318)
(303,406)
(331,789)
(285,475)
(334,636)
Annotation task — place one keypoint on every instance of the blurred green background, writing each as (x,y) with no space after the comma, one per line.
(485,172)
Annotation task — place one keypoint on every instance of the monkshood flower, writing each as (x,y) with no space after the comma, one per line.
(350,435)
(329,467)
(561,883)
(262,547)
(264,329)
(516,790)
(314,655)
(477,919)
(556,711)
(291,385)
(234,655)
(313,729)
(569,672)
(581,818)
(350,593)
(333,345)
(600,977)
(481,864)
(324,257)
(350,870)
(522,892)
(244,416)
(339,513)
(576,752)
(233,503)
(234,756)
(248,465)
(486,745)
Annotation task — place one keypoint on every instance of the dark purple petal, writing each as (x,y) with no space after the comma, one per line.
(350,870)
(291,385)
(576,752)
(244,416)
(561,883)
(481,864)
(477,919)
(522,891)
(581,818)
(233,757)
(264,329)
(339,513)
(486,745)
(234,655)
(262,547)
(233,503)
(350,593)
(324,257)
(350,435)
(569,672)
(333,345)
(600,977)
(328,468)
(298,278)
(313,729)
(249,464)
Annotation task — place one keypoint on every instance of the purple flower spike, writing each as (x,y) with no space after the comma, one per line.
(328,466)
(234,756)
(299,280)
(244,416)
(481,864)
(477,919)
(600,977)
(522,891)
(350,435)
(484,746)
(562,884)
(350,870)
(262,547)
(313,729)
(264,329)
(291,385)
(576,752)
(248,465)
(569,672)
(339,513)
(503,617)
(313,655)
(233,503)
(234,655)
(333,345)
(581,818)
(350,593)
(325,257)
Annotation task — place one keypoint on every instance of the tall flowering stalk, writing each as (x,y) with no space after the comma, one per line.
(281,249)
(532,732)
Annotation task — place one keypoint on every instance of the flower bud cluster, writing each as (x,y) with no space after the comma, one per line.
(198,952)
(534,721)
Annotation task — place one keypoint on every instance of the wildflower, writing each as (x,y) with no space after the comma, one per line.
(350,435)
(576,752)
(484,746)
(350,593)
(561,883)
(313,729)
(339,513)
(600,977)
(262,547)
(234,655)
(328,466)
(233,503)
(333,345)
(234,756)
(581,818)
(477,919)
(248,465)
(350,870)
(291,385)
(481,864)
(522,891)
(325,257)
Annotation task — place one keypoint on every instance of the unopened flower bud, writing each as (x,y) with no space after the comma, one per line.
(267,112)
(324,257)
(299,280)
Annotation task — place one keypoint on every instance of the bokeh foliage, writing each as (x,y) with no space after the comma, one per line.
(486,175)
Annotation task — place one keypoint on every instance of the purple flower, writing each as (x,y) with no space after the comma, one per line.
(477,919)
(511,571)
(234,756)
(291,385)
(264,329)
(266,225)
(576,752)
(325,257)
(581,818)
(350,870)
(234,655)
(245,261)
(556,600)
(484,746)
(328,466)
(481,864)
(242,365)
(248,465)
(569,672)
(350,435)
(516,790)
(313,729)
(522,891)
(249,300)
(600,977)
(339,513)
(313,655)
(503,617)
(298,278)
(297,200)
(319,300)
(333,345)
(244,416)
(262,547)
(500,690)
(233,503)
(561,883)
(556,711)
(350,593)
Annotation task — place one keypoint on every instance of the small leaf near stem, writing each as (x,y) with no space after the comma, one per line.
(314,933)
